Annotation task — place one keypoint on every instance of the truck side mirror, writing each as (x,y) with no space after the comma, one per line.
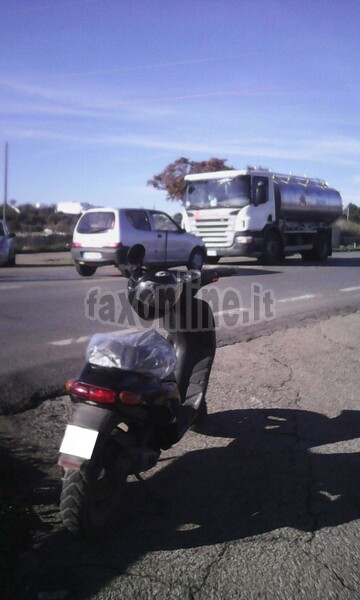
(260,194)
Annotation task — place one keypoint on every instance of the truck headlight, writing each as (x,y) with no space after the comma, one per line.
(243,239)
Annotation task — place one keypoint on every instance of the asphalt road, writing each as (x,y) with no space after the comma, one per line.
(45,321)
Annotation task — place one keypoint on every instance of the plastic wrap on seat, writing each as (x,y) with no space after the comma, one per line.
(145,352)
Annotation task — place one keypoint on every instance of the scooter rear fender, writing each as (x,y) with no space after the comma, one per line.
(86,434)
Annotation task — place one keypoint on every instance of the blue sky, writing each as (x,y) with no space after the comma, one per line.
(97,96)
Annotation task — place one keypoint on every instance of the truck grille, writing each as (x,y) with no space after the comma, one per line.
(216,233)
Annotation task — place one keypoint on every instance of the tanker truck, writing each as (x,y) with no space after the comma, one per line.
(258,213)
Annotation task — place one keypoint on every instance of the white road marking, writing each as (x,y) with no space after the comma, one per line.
(297,298)
(230,311)
(62,342)
(14,286)
(350,289)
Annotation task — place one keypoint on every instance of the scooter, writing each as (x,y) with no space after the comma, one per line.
(137,395)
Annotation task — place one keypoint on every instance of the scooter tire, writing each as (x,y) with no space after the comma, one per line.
(90,497)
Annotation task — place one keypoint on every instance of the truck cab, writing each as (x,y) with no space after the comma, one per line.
(225,209)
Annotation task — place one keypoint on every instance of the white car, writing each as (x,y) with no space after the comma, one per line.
(7,246)
(103,236)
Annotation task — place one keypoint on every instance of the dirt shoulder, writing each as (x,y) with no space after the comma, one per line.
(44,259)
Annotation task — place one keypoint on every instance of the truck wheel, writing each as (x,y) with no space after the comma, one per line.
(85,270)
(90,497)
(272,251)
(307,255)
(196,260)
(322,247)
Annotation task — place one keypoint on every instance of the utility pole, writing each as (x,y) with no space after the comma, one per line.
(5,181)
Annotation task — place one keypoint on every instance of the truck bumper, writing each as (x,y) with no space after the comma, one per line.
(250,246)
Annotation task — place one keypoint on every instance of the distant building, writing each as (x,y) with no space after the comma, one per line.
(72,208)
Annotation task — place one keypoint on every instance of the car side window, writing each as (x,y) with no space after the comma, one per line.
(138,219)
(163,222)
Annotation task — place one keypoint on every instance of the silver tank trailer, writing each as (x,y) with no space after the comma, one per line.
(310,202)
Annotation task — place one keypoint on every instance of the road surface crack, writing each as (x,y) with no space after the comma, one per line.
(209,568)
(314,556)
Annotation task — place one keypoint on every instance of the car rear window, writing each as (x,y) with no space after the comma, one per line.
(96,222)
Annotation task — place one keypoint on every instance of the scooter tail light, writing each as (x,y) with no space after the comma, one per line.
(68,385)
(92,392)
(130,398)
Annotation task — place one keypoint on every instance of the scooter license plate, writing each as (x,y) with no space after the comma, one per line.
(79,441)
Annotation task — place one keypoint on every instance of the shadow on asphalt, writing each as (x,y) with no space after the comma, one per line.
(229,270)
(272,474)
(334,261)
(23,485)
(43,265)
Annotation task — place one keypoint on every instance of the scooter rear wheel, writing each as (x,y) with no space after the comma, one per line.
(90,497)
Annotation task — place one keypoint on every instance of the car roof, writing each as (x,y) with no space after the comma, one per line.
(111,208)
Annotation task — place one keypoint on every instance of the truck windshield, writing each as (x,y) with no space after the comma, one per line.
(218,193)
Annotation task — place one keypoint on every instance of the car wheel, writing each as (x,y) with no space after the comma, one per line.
(85,270)
(11,261)
(124,272)
(196,260)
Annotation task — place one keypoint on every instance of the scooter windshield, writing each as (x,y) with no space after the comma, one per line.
(145,352)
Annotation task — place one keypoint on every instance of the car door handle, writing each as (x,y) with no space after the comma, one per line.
(159,235)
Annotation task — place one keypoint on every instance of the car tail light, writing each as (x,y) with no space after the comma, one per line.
(114,245)
(76,245)
(92,392)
